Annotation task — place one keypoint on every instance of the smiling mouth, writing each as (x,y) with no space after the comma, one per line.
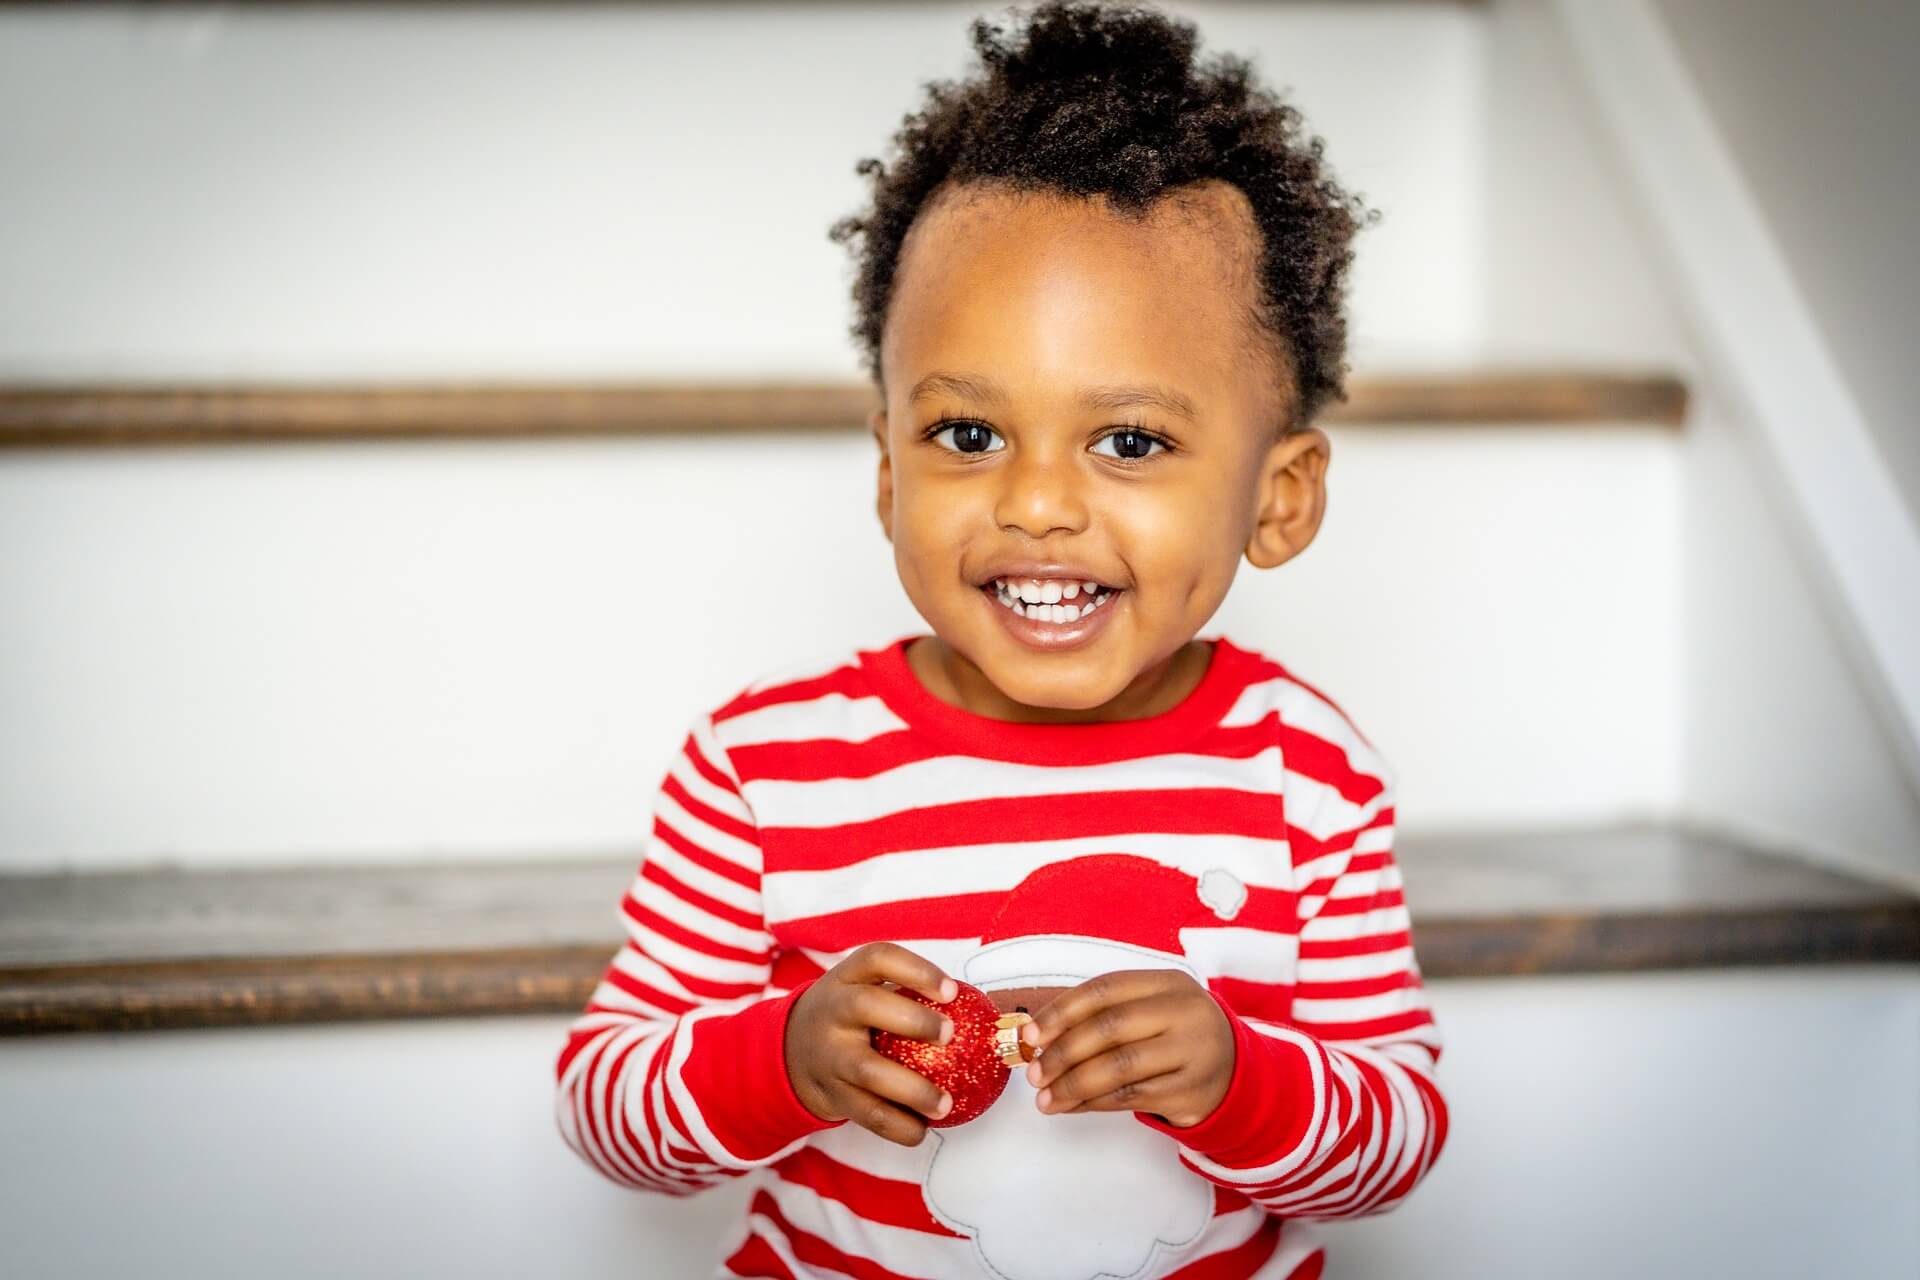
(1051,599)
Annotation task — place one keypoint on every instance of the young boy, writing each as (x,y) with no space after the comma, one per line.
(1100,292)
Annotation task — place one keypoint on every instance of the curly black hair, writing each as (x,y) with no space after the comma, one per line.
(1107,99)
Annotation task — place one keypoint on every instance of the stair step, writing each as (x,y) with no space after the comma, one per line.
(171,948)
(116,414)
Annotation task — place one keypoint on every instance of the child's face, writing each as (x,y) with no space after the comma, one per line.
(1008,312)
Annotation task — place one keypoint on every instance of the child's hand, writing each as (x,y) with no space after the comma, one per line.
(837,1073)
(1144,1040)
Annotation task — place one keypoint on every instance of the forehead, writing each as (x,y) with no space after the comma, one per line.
(1055,290)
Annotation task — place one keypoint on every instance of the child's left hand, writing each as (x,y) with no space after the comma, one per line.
(1146,1040)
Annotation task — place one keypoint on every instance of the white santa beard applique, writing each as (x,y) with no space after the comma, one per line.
(1098,1195)
(1064,1197)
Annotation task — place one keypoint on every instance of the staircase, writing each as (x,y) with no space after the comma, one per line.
(392,462)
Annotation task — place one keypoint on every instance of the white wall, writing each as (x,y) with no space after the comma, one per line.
(1657,1125)
(1783,743)
(1816,103)
(1571,278)
(237,191)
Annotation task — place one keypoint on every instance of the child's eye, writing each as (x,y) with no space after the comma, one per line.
(1129,444)
(969,437)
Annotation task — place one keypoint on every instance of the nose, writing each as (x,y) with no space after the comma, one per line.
(1039,494)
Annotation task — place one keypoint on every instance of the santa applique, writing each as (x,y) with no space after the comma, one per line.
(1096,1195)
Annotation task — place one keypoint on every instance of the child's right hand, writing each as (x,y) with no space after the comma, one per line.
(836,1071)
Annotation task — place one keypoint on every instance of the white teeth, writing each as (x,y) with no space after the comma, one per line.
(1030,599)
(1048,590)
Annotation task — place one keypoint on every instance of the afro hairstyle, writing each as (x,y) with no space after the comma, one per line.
(1106,99)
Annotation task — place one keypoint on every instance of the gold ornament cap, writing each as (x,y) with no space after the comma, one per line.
(1007,1043)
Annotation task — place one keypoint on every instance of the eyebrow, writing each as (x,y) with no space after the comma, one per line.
(987,391)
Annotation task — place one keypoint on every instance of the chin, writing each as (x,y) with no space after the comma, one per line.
(1059,682)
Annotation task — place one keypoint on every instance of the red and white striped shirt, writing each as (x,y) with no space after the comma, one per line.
(825,808)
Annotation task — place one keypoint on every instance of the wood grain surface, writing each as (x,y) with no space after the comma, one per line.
(134,950)
(107,415)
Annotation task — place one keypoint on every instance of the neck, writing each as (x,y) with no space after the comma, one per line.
(954,679)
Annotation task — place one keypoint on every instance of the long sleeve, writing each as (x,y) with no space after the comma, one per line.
(674,1077)
(1334,1110)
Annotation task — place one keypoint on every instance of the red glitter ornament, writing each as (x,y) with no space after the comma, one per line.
(970,1066)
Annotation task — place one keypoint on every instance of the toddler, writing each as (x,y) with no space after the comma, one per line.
(1100,292)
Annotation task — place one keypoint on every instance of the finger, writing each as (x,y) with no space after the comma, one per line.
(1077,1004)
(886,1010)
(1137,1095)
(883,1077)
(1114,1069)
(890,962)
(1108,1027)
(877,1115)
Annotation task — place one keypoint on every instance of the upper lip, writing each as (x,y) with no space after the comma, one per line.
(1020,570)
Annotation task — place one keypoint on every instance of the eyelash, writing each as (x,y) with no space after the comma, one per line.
(944,421)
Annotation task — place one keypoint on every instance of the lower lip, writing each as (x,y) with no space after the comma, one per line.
(1049,635)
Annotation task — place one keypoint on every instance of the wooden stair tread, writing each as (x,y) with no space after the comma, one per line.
(124,414)
(205,948)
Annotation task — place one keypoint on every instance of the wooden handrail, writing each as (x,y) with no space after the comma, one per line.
(108,414)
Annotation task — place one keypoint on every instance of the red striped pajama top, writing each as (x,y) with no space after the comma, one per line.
(841,804)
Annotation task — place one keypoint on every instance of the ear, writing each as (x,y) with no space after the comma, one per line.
(1291,499)
(877,424)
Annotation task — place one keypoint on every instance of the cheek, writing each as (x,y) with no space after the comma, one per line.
(932,523)
(947,494)
(1177,539)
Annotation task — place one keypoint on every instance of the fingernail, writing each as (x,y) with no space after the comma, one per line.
(946,1030)
(1045,1099)
(1033,1073)
(946,1105)
(1031,1033)
(948,990)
